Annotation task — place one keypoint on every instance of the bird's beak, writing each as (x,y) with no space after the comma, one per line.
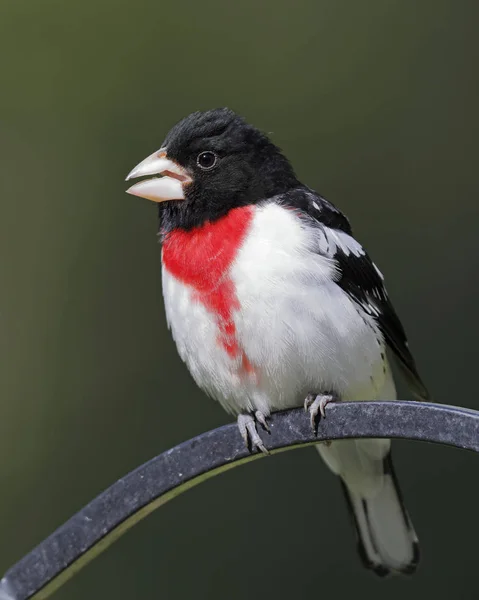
(159,189)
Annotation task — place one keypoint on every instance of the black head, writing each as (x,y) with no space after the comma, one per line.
(224,163)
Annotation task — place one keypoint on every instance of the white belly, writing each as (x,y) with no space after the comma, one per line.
(298,330)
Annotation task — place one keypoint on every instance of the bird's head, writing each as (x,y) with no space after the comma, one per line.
(209,163)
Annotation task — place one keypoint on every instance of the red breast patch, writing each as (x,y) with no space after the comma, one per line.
(201,258)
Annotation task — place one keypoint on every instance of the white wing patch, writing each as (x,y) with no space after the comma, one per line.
(370,309)
(330,241)
(378,272)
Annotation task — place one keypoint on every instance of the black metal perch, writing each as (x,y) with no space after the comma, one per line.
(133,497)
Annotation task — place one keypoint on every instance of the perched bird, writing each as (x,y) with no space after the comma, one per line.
(273,303)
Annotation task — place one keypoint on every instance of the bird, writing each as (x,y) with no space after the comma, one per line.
(274,304)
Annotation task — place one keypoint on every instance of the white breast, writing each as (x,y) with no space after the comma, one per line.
(299,330)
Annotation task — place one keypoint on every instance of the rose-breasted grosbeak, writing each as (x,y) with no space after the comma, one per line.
(272,303)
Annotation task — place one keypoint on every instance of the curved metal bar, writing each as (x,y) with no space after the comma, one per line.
(143,490)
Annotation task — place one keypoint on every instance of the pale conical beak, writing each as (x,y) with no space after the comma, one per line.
(159,189)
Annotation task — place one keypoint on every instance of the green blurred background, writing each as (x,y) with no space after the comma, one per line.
(376,103)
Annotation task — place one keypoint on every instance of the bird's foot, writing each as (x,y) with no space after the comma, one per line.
(249,432)
(316,404)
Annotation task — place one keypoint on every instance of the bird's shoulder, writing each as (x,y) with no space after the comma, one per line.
(357,275)
(334,239)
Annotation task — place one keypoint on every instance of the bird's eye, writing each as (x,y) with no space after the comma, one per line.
(206,160)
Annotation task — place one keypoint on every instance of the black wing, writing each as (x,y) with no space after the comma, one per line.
(362,281)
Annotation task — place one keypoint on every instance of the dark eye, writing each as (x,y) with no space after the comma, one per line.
(206,160)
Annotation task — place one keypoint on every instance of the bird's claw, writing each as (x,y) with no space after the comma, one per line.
(249,432)
(261,418)
(316,403)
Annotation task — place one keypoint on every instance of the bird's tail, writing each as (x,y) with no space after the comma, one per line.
(386,539)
